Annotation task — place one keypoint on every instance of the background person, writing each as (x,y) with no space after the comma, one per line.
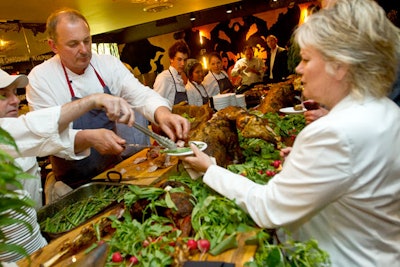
(75,72)
(277,61)
(169,83)
(338,185)
(227,65)
(197,93)
(249,68)
(217,81)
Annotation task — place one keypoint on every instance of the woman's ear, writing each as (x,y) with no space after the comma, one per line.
(340,70)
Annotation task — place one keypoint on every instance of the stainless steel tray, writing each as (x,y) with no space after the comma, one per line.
(81,193)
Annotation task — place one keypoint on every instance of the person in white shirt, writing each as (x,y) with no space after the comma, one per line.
(196,92)
(277,58)
(75,72)
(249,68)
(217,81)
(169,83)
(339,182)
(42,133)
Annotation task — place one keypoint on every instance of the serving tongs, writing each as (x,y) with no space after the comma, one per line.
(162,140)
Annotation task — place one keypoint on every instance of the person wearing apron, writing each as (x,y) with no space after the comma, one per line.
(173,89)
(78,172)
(197,93)
(179,96)
(70,39)
(217,80)
(224,84)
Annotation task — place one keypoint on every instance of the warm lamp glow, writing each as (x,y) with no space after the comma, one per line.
(201,37)
(303,15)
(205,63)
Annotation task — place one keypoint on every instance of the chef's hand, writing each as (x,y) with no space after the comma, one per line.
(117,109)
(105,141)
(174,126)
(199,161)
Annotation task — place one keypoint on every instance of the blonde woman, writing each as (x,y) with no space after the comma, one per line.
(339,183)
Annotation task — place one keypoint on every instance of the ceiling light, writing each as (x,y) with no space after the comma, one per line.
(229,11)
(157,5)
(192,17)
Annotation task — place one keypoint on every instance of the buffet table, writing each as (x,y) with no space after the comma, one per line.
(137,174)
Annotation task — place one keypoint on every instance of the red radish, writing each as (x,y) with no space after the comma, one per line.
(192,244)
(146,243)
(133,260)
(276,164)
(117,257)
(270,173)
(203,245)
(157,239)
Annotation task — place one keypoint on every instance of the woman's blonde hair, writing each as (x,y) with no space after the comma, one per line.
(356,33)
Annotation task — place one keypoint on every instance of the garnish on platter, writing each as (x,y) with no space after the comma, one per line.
(185,151)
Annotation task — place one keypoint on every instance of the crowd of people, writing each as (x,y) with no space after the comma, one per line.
(179,83)
(338,184)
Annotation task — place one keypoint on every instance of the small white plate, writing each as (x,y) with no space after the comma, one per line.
(185,151)
(291,110)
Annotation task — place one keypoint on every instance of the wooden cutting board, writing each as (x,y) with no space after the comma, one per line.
(141,173)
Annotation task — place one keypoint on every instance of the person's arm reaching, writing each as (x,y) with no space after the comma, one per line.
(117,109)
(103,140)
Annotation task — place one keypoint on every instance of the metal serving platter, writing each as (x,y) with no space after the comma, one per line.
(78,194)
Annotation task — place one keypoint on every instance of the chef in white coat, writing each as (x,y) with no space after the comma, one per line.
(45,132)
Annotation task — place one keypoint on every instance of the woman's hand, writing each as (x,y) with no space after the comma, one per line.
(199,161)
(285,152)
(313,115)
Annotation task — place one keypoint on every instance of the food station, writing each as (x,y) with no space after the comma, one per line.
(152,209)
(137,174)
(168,189)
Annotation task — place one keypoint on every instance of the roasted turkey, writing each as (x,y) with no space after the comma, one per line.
(220,130)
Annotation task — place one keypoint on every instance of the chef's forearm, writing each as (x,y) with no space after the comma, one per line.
(73,110)
(82,141)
